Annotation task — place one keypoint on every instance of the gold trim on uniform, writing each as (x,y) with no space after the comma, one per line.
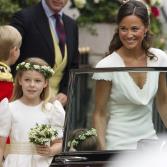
(5,73)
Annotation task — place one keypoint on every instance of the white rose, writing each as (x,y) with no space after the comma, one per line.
(96,1)
(80,3)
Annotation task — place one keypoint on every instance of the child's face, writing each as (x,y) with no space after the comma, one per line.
(33,83)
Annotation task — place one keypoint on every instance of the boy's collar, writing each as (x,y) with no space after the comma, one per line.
(4,65)
(5,72)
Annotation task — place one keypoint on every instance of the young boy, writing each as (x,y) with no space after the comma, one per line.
(10,42)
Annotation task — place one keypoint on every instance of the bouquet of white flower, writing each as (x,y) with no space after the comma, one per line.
(42,134)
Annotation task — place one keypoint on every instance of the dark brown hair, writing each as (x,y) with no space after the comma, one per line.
(139,9)
(89,144)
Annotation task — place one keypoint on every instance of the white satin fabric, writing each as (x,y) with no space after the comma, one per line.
(130,107)
(16,121)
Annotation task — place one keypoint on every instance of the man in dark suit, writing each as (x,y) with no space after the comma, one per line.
(37,26)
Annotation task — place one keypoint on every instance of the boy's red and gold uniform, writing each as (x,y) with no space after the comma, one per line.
(6,83)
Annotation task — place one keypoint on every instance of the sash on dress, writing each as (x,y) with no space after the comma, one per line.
(21,148)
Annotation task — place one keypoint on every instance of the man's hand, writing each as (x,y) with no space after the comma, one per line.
(62,98)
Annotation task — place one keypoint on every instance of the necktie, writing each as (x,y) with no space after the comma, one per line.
(60,33)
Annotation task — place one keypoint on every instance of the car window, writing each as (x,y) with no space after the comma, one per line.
(130,103)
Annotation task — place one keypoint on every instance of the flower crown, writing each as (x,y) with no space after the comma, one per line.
(47,71)
(82,137)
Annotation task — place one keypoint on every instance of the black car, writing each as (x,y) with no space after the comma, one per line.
(79,115)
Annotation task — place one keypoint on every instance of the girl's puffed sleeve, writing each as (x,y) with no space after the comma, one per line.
(5,118)
(57,117)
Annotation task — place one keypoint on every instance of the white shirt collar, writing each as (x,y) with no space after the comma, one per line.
(48,11)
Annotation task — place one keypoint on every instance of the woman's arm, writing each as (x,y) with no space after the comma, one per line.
(2,148)
(161,98)
(103,89)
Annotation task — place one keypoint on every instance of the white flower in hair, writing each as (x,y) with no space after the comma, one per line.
(27,65)
(124,1)
(22,63)
(47,71)
(37,67)
(82,137)
(45,67)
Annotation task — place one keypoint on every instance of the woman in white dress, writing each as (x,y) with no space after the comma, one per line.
(29,107)
(123,100)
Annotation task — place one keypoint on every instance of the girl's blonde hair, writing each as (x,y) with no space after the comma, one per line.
(18,93)
(9,38)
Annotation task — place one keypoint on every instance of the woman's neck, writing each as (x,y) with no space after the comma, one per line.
(133,58)
(135,54)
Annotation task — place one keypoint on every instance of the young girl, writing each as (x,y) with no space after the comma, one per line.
(83,140)
(30,106)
